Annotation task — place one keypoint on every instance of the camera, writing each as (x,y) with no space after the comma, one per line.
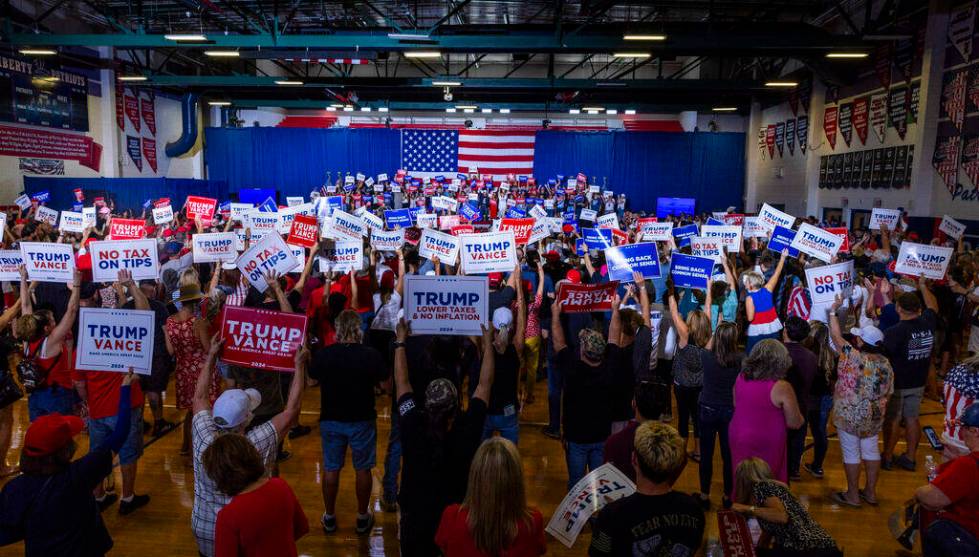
(447,94)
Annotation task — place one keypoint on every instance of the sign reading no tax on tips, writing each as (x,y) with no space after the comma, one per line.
(48,262)
(261,338)
(271,254)
(446,305)
(136,256)
(115,340)
(828,281)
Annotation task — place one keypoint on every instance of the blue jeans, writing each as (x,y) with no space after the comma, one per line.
(751,341)
(50,400)
(714,421)
(555,385)
(506,425)
(946,538)
(392,459)
(579,456)
(100,429)
(818,418)
(360,436)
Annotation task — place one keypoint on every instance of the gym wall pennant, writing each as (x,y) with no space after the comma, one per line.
(946,159)
(970,159)
(802,132)
(860,118)
(780,137)
(149,114)
(973,90)
(830,124)
(898,100)
(133,148)
(131,106)
(770,140)
(883,57)
(878,115)
(846,122)
(790,135)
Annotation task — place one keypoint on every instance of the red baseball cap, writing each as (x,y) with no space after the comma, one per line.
(495,279)
(48,434)
(573,275)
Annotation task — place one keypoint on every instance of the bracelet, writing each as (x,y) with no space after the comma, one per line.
(751,511)
(398,344)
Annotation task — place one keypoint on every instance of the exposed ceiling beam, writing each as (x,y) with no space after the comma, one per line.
(514,106)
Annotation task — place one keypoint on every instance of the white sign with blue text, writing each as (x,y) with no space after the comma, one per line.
(446,305)
(115,340)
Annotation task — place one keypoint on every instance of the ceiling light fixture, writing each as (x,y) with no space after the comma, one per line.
(574,111)
(465,106)
(287,82)
(132,78)
(382,109)
(487,111)
(408,37)
(631,54)
(592,108)
(469,110)
(639,37)
(331,109)
(222,53)
(365,109)
(630,112)
(780,84)
(611,111)
(847,55)
(219,103)
(446,83)
(450,110)
(422,54)
(724,108)
(348,108)
(504,111)
(182,37)
(37,52)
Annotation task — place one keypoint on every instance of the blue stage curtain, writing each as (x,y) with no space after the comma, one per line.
(567,153)
(295,161)
(129,193)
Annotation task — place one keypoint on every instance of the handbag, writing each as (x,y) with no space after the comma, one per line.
(32,376)
(10,391)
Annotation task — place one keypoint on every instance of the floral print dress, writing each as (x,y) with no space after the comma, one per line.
(865,383)
(191,357)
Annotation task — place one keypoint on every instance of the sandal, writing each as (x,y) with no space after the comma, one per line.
(839,497)
(869,501)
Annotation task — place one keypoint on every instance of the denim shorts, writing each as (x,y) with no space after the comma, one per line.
(362,438)
(100,429)
(905,403)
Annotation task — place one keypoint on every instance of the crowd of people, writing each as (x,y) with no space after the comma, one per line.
(667,378)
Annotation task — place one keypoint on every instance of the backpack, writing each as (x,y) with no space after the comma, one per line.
(31,375)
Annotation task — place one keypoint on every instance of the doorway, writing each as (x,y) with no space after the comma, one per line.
(859,218)
(833,216)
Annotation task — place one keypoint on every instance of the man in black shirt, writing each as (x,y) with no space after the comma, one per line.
(347,372)
(801,376)
(909,346)
(438,444)
(655,520)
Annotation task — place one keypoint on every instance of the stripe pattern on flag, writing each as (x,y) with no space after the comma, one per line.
(497,152)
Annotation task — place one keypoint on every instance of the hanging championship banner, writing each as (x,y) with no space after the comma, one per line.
(770,140)
(829,124)
(216,246)
(522,228)
(10,262)
(860,118)
(770,217)
(954,96)
(781,239)
(446,305)
(149,152)
(599,488)
(438,244)
(921,260)
(802,132)
(261,338)
(846,122)
(790,136)
(131,105)
(897,109)
(878,115)
(491,252)
(120,110)
(951,227)
(269,254)
(780,137)
(139,257)
(387,241)
(342,256)
(115,340)
(816,242)
(707,247)
(829,281)
(47,215)
(608,220)
(622,261)
(970,159)
(585,298)
(72,222)
(762,141)
(844,234)
(883,56)
(946,159)
(48,262)
(961,28)
(200,206)
(304,232)
(730,236)
(690,271)
(135,151)
(656,231)
(884,217)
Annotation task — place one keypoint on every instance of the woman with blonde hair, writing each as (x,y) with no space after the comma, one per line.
(786,525)
(494,519)
(688,370)
(759,305)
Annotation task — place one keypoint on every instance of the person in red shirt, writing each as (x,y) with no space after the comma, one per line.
(264,517)
(494,518)
(954,495)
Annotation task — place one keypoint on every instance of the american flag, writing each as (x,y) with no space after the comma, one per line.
(946,159)
(499,152)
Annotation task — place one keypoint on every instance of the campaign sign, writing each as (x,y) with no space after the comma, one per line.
(387,241)
(372,221)
(115,340)
(261,224)
(597,238)
(588,214)
(342,256)
(522,229)
(23,201)
(136,256)
(289,214)
(843,233)
(816,242)
(707,247)
(270,254)
(608,220)
(305,231)
(599,488)
(447,203)
(733,219)
(10,262)
(730,236)
(46,214)
(887,217)
(163,215)
(488,253)
(922,260)
(261,338)
(951,227)
(782,238)
(586,298)
(238,210)
(624,260)
(828,281)
(580,247)
(347,226)
(3,223)
(48,262)
(200,206)
(435,243)
(711,221)
(656,231)
(446,305)
(72,222)
(397,218)
(88,214)
(448,222)
(293,201)
(690,271)
(126,229)
(538,212)
(426,220)
(217,246)
(683,234)
(469,212)
(770,217)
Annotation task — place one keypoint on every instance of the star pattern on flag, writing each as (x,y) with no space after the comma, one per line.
(430,150)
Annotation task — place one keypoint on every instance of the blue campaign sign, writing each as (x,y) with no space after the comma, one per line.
(580,248)
(711,221)
(268,206)
(41,196)
(470,212)
(683,234)
(515,213)
(691,271)
(335,203)
(597,238)
(781,239)
(77,207)
(624,260)
(396,218)
(413,213)
(146,205)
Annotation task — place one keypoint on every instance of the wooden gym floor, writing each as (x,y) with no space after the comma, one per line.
(163,527)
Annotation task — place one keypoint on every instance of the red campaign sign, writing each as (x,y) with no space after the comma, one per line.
(860,118)
(149,152)
(462,229)
(203,206)
(585,298)
(162,202)
(734,219)
(770,140)
(131,106)
(620,237)
(413,235)
(29,142)
(304,232)
(830,124)
(842,232)
(521,228)
(735,535)
(261,339)
(148,112)
(126,229)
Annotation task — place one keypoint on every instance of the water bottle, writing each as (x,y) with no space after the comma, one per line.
(713,549)
(930,467)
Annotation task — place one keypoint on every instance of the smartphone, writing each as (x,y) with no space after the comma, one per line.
(933,439)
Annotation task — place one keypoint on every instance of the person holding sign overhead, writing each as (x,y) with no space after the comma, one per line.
(508,338)
(759,306)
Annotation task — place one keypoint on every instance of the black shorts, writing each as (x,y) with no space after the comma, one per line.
(156,381)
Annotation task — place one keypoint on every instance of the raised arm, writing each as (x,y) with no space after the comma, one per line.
(487,367)
(304,276)
(615,323)
(557,330)
(643,298)
(202,399)
(354,297)
(289,416)
(834,324)
(139,299)
(773,282)
(215,278)
(272,279)
(927,295)
(682,333)
(26,307)
(67,322)
(710,310)
(399,285)
(521,330)
(9,315)
(401,384)
(885,238)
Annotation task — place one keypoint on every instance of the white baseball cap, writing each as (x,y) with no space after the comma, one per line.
(869,334)
(502,317)
(234,406)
